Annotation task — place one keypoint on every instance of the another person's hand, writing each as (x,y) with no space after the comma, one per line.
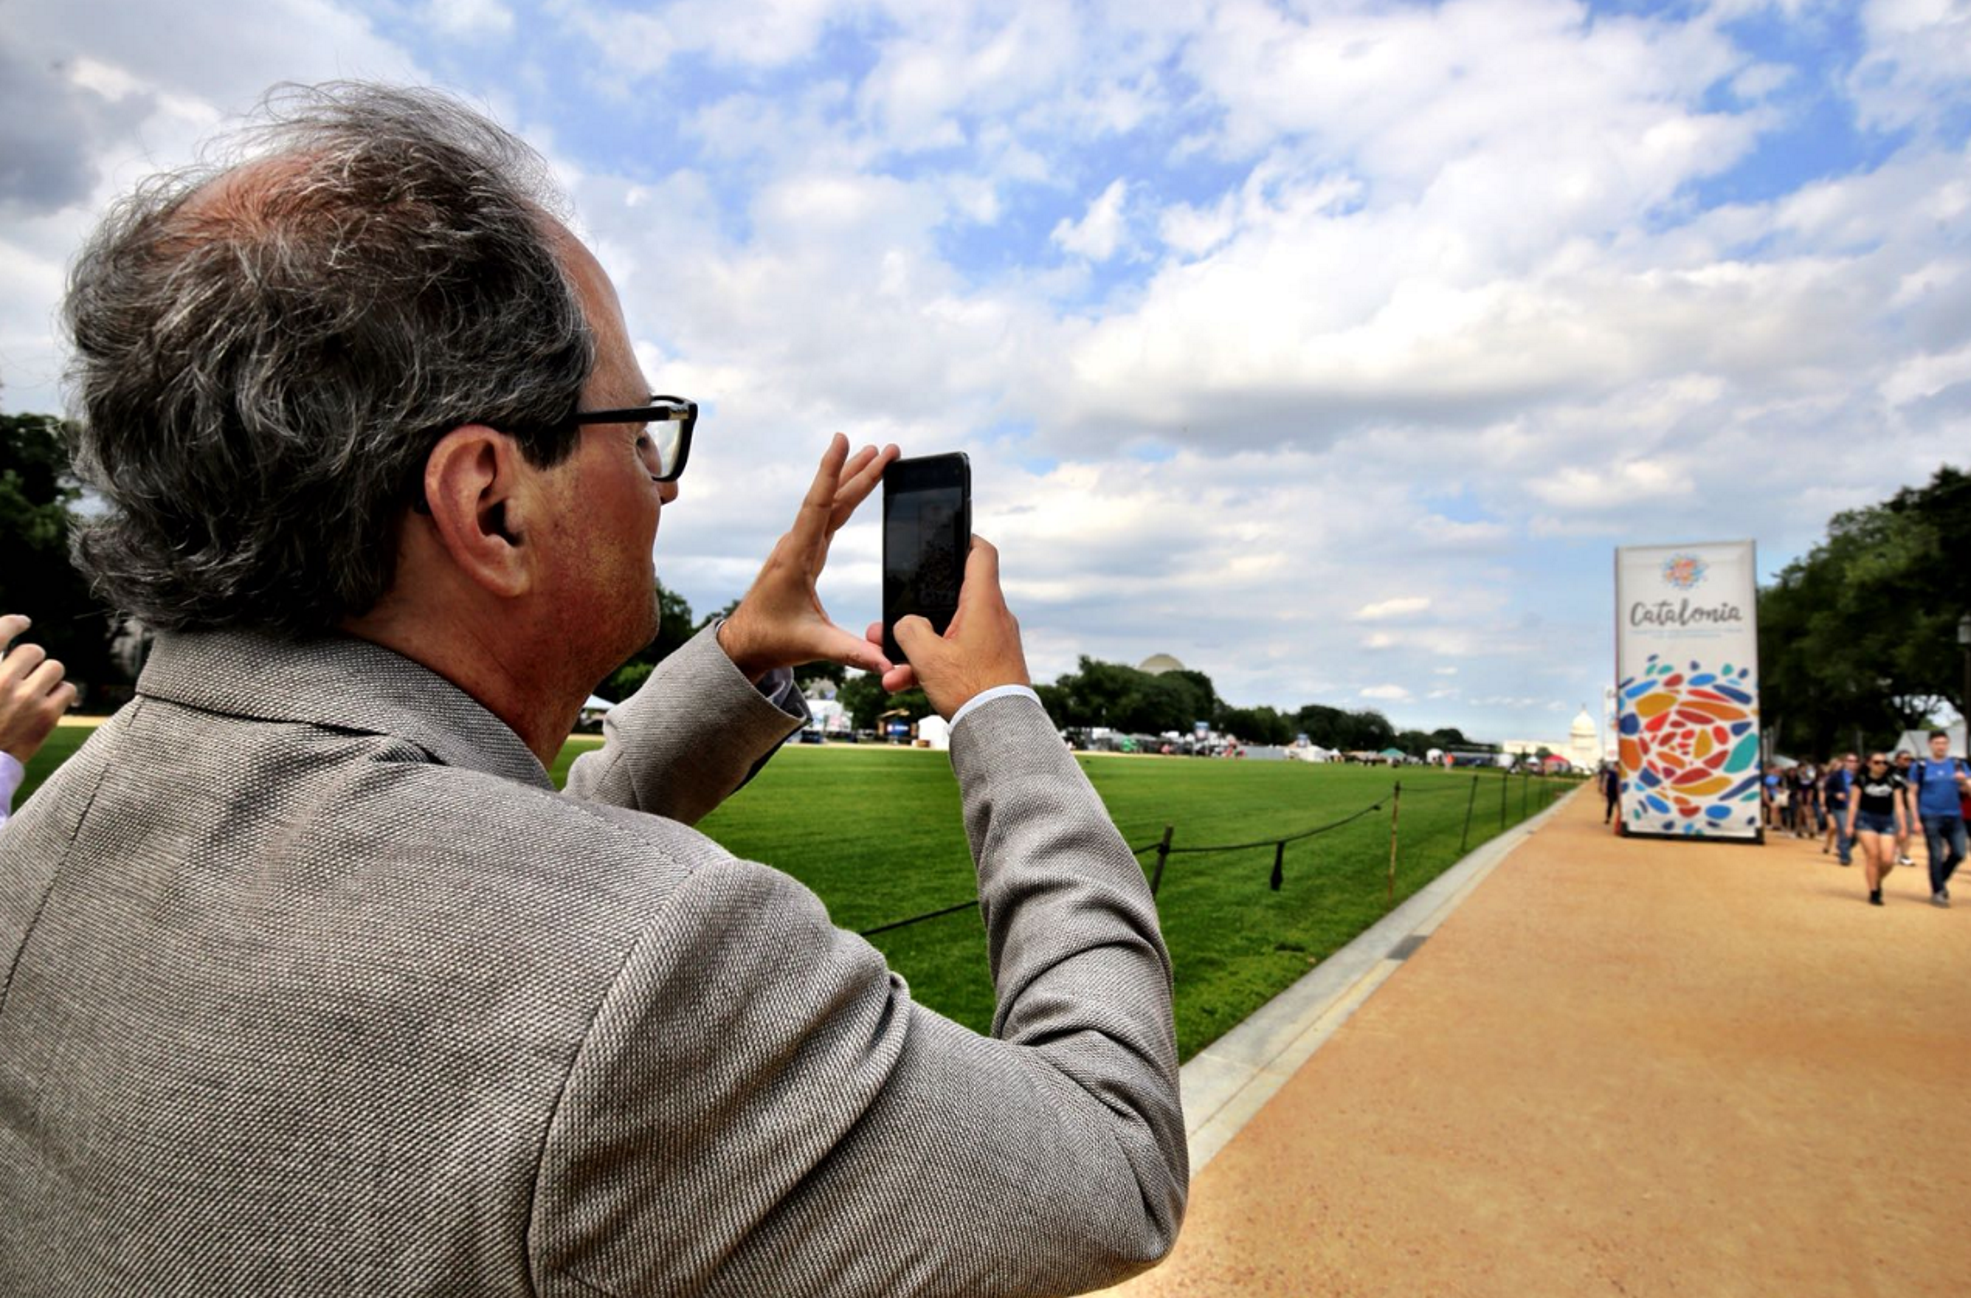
(33,694)
(780,622)
(979,650)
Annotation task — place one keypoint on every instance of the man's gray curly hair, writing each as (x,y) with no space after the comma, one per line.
(268,345)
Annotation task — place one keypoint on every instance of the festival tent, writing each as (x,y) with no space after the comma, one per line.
(1917,742)
(1393,754)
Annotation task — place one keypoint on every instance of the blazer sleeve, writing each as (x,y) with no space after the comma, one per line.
(687,740)
(761,1109)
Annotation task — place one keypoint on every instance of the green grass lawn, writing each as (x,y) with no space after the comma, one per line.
(875,832)
(60,746)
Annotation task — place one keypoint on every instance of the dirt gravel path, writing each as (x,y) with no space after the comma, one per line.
(1625,1067)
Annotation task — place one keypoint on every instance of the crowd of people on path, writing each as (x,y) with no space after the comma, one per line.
(1876,807)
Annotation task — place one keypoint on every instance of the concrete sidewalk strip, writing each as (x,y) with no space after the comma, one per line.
(1230,1080)
(1621,1067)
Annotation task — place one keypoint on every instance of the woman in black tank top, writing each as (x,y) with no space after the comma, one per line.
(1875,820)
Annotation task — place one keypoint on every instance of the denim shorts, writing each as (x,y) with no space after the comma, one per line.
(1875,822)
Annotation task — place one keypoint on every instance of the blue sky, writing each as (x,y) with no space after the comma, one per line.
(1330,347)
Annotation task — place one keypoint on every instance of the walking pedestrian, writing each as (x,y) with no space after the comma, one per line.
(1875,819)
(1939,786)
(1905,762)
(1611,790)
(1809,825)
(1835,789)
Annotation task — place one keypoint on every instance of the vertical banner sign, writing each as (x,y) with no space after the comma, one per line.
(1687,706)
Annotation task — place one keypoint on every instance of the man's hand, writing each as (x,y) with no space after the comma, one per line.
(33,694)
(979,650)
(780,622)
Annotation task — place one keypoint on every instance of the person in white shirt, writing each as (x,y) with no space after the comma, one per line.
(33,697)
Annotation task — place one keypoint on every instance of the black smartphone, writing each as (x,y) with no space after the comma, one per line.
(927,532)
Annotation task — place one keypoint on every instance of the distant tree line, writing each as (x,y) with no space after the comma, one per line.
(1138,702)
(1858,637)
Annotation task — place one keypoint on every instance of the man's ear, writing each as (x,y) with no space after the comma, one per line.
(472,479)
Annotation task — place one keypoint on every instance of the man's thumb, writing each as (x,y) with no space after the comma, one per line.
(917,638)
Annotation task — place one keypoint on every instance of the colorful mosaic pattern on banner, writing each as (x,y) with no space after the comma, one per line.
(1689,747)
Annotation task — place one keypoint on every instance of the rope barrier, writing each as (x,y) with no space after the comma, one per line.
(1284,838)
(934,914)
(1164,850)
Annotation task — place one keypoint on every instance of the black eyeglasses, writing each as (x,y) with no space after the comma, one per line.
(674,416)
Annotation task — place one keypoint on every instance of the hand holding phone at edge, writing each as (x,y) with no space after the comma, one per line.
(981,648)
(780,622)
(33,694)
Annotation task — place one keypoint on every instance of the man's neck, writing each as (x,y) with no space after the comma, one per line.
(496,670)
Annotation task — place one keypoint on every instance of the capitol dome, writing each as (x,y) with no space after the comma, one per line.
(1157,664)
(1583,743)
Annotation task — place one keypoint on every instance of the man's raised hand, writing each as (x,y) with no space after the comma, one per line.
(33,694)
(780,622)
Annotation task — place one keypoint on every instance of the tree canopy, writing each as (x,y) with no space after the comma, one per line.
(1858,637)
(38,492)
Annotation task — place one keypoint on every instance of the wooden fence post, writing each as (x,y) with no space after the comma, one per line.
(1464,840)
(1395,809)
(1163,854)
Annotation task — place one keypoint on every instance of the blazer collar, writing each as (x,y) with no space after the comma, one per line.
(338,682)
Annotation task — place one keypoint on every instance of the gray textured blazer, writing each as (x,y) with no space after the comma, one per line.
(310,983)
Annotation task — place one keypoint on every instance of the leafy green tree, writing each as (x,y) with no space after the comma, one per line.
(862,696)
(1415,742)
(1857,638)
(38,492)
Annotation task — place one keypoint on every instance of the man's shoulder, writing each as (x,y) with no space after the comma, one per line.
(287,796)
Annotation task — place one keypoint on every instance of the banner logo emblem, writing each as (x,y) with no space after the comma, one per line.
(1684,571)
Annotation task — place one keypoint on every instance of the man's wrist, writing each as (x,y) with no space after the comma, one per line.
(735,648)
(986,696)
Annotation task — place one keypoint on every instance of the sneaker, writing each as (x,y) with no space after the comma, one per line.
(1941,899)
(1904,860)
(1875,898)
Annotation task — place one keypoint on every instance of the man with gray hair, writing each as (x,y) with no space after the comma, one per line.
(312,982)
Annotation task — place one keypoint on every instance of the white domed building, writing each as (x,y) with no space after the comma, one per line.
(1158,664)
(1583,742)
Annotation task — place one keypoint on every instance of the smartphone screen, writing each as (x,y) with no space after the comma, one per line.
(927,531)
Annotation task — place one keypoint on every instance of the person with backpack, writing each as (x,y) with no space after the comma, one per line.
(1938,786)
(1834,790)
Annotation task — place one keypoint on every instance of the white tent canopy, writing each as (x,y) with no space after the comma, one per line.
(1917,742)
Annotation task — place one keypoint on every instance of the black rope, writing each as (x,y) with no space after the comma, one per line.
(1283,838)
(948,910)
(1174,851)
